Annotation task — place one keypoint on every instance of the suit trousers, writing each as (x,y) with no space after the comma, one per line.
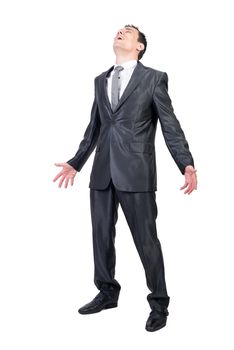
(140,211)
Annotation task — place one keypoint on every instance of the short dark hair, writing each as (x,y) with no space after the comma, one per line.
(141,39)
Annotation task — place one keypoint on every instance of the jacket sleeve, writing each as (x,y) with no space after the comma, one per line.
(171,129)
(89,140)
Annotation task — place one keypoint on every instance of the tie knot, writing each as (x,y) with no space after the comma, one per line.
(118,68)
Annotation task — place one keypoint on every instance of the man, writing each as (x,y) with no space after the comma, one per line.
(129,100)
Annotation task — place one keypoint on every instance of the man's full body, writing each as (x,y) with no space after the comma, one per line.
(130,99)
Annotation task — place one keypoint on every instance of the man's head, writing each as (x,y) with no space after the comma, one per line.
(130,41)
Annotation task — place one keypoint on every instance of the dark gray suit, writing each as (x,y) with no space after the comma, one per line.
(124,171)
(125,137)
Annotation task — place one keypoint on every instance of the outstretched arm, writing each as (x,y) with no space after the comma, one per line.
(173,134)
(85,148)
(89,141)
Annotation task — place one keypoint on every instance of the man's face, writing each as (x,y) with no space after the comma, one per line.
(127,39)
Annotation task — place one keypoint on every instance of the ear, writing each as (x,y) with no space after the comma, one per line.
(140,47)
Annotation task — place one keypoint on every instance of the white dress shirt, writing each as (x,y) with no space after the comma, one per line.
(125,76)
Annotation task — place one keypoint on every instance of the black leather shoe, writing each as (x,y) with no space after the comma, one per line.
(156,321)
(99,303)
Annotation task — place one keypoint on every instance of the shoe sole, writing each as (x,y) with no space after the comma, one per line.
(108,306)
(155,329)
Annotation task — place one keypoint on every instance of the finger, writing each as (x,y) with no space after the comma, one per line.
(66,181)
(190,191)
(194,183)
(59,164)
(188,188)
(185,185)
(191,184)
(72,181)
(57,176)
(186,191)
(61,181)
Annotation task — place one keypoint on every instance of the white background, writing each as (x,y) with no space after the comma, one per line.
(50,53)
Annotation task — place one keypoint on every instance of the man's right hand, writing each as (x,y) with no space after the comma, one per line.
(68,173)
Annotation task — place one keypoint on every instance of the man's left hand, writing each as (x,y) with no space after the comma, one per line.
(190,179)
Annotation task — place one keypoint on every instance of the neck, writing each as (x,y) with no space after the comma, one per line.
(124,58)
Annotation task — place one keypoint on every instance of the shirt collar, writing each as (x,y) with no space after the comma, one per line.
(127,64)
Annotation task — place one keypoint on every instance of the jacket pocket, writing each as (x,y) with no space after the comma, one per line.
(141,147)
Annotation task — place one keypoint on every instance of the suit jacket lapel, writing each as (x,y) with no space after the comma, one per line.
(104,87)
(132,84)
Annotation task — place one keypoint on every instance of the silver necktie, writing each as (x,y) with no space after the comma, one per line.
(115,87)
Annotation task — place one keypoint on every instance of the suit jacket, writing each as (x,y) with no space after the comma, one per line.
(125,137)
